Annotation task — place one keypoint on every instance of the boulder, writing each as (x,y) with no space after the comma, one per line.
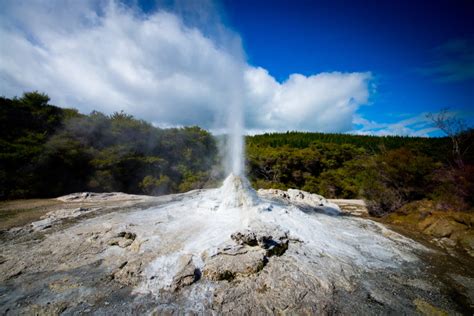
(235,262)
(444,227)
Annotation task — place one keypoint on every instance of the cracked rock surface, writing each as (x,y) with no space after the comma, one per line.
(218,251)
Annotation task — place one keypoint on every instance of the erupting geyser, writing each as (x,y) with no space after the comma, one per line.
(235,140)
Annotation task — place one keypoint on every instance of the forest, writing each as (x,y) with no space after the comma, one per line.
(387,172)
(47,151)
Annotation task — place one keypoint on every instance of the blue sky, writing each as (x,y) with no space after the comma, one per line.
(401,42)
(366,67)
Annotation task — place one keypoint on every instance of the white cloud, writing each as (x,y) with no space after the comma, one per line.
(322,102)
(417,125)
(107,57)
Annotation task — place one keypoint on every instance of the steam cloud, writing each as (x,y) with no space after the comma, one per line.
(108,57)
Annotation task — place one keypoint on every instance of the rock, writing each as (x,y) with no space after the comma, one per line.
(63,285)
(12,269)
(123,243)
(466,240)
(305,200)
(100,197)
(248,257)
(129,273)
(443,227)
(449,229)
(122,239)
(426,222)
(464,218)
(47,309)
(465,288)
(187,274)
(245,238)
(427,309)
(276,245)
(136,244)
(56,216)
(127,235)
(352,207)
(231,264)
(341,265)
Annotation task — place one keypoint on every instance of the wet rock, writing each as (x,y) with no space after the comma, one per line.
(54,217)
(62,285)
(427,309)
(465,288)
(47,309)
(274,246)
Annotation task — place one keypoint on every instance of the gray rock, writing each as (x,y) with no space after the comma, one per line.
(133,257)
(187,275)
(234,263)
(129,273)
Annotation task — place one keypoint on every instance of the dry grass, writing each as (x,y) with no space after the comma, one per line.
(21,212)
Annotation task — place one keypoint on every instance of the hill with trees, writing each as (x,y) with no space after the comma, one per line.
(388,172)
(47,151)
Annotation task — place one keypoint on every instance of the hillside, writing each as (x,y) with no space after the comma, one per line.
(47,151)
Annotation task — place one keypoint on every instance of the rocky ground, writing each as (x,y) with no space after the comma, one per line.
(227,250)
(451,230)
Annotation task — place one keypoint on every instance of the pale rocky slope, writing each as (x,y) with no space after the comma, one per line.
(225,250)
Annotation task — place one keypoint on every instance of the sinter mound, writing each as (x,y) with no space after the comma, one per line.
(225,250)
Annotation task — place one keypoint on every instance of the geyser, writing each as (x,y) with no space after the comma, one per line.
(236,147)
(235,141)
(235,126)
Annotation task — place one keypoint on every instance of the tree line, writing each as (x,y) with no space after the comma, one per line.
(388,172)
(47,151)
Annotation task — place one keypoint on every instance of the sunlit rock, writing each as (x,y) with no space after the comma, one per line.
(224,250)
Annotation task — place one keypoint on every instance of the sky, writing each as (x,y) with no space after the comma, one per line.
(362,67)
